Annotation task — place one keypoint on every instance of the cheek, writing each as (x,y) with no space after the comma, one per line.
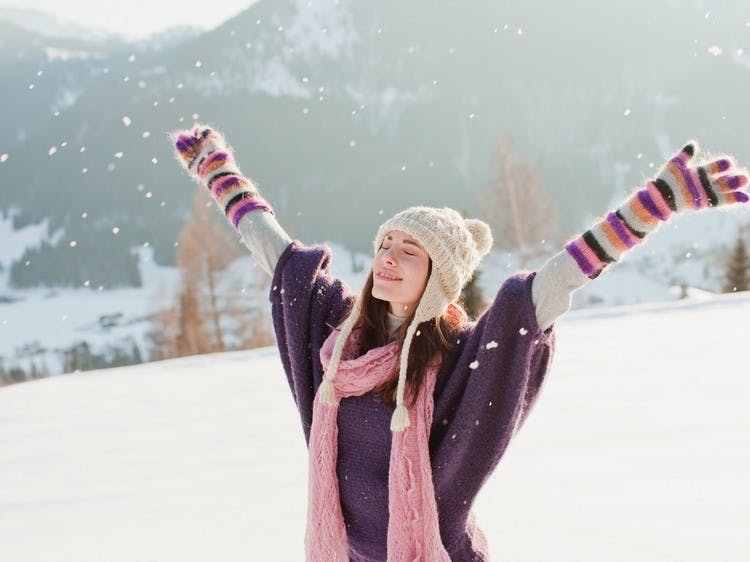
(421,271)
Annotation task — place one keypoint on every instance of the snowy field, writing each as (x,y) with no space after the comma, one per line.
(638,449)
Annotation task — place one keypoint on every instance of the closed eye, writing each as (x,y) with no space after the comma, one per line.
(407,253)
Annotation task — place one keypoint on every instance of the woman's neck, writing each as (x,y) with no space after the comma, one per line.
(393,322)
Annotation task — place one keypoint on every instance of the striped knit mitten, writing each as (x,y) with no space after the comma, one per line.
(680,186)
(206,156)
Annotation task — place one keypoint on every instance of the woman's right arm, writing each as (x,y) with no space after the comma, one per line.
(307,302)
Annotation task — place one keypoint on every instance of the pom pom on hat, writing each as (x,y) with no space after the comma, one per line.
(481,233)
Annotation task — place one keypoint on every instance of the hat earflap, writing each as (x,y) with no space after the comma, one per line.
(326,390)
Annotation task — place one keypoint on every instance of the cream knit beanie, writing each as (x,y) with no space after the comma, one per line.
(455,246)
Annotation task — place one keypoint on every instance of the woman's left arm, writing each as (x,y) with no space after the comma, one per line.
(681,185)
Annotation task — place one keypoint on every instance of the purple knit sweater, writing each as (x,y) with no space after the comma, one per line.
(477,410)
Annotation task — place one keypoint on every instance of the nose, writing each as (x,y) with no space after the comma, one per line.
(388,256)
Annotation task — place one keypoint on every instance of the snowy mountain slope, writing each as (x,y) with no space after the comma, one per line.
(636,450)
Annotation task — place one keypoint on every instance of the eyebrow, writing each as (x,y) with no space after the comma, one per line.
(389,237)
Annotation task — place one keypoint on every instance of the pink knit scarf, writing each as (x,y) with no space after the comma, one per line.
(413,529)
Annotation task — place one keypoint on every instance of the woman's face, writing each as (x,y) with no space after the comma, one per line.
(399,272)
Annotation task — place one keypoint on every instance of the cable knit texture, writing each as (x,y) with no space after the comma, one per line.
(413,530)
(482,395)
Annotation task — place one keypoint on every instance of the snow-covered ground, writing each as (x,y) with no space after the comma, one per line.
(638,449)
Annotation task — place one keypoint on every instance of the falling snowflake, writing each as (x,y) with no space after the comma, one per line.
(148,195)
(626,112)
(523,331)
(474,364)
(198,64)
(520,31)
(73,243)
(146,134)
(3,157)
(115,230)
(83,149)
(39,72)
(352,143)
(403,168)
(84,215)
(196,115)
(126,121)
(118,154)
(31,86)
(155,160)
(471,116)
(491,345)
(84,170)
(715,50)
(52,150)
(131,58)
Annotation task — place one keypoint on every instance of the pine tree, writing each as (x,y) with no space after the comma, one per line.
(472,299)
(738,269)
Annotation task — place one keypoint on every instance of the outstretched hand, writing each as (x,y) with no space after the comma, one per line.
(204,153)
(684,185)
(681,185)
(193,148)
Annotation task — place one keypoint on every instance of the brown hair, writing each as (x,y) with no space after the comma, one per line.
(435,337)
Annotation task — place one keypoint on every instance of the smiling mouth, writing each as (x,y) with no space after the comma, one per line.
(387,278)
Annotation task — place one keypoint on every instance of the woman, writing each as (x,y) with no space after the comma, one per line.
(406,406)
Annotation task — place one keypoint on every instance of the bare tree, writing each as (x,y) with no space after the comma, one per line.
(206,249)
(516,204)
(210,311)
(253,326)
(737,274)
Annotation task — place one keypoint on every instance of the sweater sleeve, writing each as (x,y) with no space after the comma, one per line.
(553,288)
(307,303)
(264,237)
(485,392)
